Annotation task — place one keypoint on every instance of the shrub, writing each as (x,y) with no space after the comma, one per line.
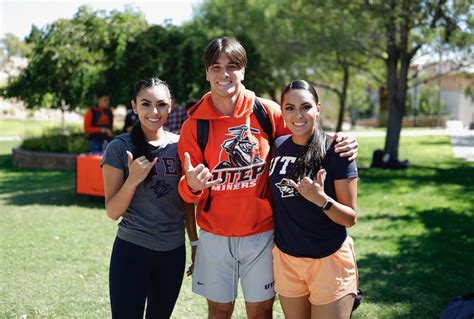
(74,143)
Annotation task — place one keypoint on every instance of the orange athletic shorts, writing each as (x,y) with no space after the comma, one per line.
(325,280)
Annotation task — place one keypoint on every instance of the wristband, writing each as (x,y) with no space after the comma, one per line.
(194,243)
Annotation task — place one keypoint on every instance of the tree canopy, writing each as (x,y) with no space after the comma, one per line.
(345,47)
(72,59)
(406,27)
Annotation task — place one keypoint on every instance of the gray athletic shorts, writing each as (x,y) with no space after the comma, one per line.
(221,261)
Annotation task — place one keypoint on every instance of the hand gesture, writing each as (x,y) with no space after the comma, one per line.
(189,272)
(346,145)
(197,177)
(139,168)
(312,190)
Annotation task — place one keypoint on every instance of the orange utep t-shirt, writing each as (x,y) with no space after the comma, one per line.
(238,152)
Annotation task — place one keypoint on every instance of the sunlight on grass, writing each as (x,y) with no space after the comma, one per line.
(412,237)
(23,128)
(31,127)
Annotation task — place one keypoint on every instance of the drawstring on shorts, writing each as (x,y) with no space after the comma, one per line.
(234,249)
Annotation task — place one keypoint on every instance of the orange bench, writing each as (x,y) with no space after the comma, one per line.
(89,180)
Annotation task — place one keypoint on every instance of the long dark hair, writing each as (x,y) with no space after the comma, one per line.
(137,135)
(318,144)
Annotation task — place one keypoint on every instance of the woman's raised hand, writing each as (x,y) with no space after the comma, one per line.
(312,190)
(139,168)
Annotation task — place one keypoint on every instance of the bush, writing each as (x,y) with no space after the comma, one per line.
(74,143)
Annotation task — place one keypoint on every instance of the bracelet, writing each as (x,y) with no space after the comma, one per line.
(194,243)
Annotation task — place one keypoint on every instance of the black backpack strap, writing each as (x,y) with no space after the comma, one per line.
(202,135)
(263,119)
(202,138)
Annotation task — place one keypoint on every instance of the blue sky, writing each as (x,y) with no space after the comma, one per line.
(17,16)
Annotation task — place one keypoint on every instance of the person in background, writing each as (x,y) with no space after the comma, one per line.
(130,120)
(314,197)
(98,124)
(177,117)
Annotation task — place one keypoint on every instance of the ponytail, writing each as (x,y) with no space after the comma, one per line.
(313,155)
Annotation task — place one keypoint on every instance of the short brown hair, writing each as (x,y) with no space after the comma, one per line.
(230,46)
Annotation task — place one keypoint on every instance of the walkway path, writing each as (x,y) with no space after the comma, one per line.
(463,144)
(10,138)
(462,140)
(382,133)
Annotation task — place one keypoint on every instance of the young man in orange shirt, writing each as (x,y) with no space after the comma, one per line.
(227,177)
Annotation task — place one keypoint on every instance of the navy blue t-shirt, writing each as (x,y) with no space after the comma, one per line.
(302,229)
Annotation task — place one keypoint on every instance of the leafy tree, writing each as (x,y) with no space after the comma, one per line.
(168,52)
(188,71)
(124,28)
(294,40)
(34,37)
(11,45)
(71,59)
(321,51)
(174,55)
(344,38)
(408,26)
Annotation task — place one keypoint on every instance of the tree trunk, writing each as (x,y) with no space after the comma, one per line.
(63,116)
(343,98)
(397,78)
(395,115)
(395,108)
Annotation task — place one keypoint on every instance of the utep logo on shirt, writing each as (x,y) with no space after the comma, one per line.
(285,188)
(240,162)
(170,167)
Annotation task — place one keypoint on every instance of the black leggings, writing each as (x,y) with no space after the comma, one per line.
(138,274)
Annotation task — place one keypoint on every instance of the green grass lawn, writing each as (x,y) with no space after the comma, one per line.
(31,127)
(414,239)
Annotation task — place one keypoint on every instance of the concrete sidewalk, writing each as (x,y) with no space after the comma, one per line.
(378,133)
(10,138)
(461,140)
(463,144)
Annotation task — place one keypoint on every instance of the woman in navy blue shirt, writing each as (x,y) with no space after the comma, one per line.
(314,194)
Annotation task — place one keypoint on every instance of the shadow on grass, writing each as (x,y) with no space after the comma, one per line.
(432,142)
(56,197)
(429,270)
(32,186)
(391,219)
(457,173)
